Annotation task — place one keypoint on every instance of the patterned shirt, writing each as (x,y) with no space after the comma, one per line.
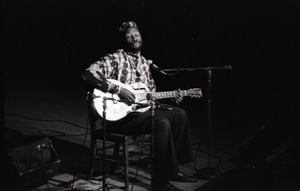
(125,67)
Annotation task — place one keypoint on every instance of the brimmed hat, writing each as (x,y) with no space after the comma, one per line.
(126,25)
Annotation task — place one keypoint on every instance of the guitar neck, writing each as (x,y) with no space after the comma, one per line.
(168,94)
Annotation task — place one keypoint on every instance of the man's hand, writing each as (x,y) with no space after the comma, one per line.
(126,95)
(179,96)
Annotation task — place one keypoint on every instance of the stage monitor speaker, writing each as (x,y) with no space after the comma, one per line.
(34,163)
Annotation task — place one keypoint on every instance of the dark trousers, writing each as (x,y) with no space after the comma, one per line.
(172,141)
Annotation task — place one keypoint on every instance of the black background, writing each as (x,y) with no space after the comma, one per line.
(51,40)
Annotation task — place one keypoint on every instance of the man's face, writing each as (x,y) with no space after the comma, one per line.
(133,39)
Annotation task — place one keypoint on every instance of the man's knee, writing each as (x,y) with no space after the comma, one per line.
(182,113)
(163,124)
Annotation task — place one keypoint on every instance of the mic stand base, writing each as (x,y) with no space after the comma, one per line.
(207,173)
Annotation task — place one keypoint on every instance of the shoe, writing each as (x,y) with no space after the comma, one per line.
(167,187)
(181,177)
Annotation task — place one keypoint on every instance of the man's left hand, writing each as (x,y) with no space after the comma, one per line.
(179,96)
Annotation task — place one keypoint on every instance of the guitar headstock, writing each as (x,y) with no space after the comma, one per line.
(195,93)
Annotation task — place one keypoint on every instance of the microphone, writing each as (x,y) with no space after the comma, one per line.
(157,68)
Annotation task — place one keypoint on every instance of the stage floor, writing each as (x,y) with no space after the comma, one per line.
(58,110)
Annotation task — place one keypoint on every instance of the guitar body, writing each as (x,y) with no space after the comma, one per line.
(115,107)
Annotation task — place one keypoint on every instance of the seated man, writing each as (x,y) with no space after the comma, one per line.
(172,141)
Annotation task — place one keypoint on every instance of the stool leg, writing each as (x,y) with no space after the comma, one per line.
(91,159)
(116,155)
(92,151)
(126,164)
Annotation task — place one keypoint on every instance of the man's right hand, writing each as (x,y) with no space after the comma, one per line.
(127,95)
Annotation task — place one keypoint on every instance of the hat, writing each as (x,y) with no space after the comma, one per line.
(126,25)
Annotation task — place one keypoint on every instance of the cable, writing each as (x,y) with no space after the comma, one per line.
(197,150)
(44,120)
(140,156)
(80,156)
(60,134)
(199,144)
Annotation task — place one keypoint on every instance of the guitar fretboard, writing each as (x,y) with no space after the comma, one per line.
(168,94)
(162,95)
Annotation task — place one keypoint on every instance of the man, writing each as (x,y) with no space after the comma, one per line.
(172,143)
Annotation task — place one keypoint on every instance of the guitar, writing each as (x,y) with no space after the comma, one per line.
(116,109)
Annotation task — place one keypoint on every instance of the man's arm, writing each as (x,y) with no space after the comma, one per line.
(96,79)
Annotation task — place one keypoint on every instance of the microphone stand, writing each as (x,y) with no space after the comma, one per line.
(104,186)
(206,173)
(152,113)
